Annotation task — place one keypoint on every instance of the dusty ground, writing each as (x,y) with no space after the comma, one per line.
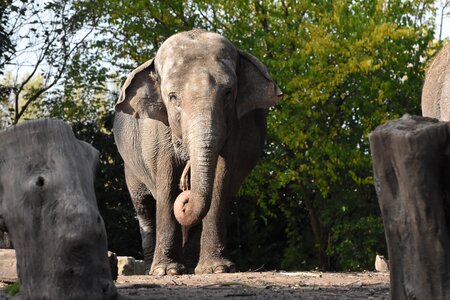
(258,285)
(255,285)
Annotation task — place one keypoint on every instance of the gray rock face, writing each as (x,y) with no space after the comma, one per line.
(48,205)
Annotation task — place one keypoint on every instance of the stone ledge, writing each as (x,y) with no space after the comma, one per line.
(124,265)
(127,266)
(8,271)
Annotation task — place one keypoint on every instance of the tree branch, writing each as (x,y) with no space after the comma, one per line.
(447,3)
(37,94)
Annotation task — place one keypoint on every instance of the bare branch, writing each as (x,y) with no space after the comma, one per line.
(212,24)
(18,90)
(55,80)
(54,33)
(444,6)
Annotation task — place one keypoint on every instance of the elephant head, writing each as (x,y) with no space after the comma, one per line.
(200,86)
(436,88)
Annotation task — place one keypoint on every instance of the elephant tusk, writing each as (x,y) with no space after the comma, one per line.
(184,180)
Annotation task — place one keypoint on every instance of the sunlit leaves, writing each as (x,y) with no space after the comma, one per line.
(344,66)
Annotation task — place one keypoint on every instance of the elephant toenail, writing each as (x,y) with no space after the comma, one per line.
(173,272)
(220,269)
(158,272)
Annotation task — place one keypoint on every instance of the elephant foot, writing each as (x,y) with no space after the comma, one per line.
(215,266)
(167,269)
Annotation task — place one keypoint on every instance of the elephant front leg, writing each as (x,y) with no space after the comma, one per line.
(213,237)
(168,236)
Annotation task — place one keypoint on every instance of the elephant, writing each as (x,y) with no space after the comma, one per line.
(49,208)
(190,125)
(436,88)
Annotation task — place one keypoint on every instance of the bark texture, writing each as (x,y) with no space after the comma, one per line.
(48,205)
(411,169)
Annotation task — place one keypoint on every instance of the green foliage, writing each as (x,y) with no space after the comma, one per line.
(345,67)
(356,242)
(13,288)
(51,35)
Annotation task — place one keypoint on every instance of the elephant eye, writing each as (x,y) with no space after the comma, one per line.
(173,98)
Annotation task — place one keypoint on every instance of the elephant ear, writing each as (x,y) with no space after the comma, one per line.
(256,89)
(140,95)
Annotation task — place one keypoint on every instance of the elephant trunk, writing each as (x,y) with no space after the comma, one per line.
(191,206)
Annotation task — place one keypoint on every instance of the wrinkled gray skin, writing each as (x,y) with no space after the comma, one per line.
(202,101)
(48,205)
(436,89)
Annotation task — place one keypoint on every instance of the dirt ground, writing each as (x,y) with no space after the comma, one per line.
(254,285)
(258,285)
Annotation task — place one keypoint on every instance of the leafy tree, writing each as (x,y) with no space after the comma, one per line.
(344,66)
(46,37)
(131,34)
(57,73)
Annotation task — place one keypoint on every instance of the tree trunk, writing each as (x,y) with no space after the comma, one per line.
(411,170)
(49,208)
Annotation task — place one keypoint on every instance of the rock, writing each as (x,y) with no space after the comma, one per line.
(112,259)
(381,264)
(125,265)
(139,267)
(5,241)
(8,271)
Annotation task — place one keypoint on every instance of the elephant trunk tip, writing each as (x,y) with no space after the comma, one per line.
(185,210)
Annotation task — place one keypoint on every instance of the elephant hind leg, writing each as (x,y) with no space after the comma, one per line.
(145,207)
